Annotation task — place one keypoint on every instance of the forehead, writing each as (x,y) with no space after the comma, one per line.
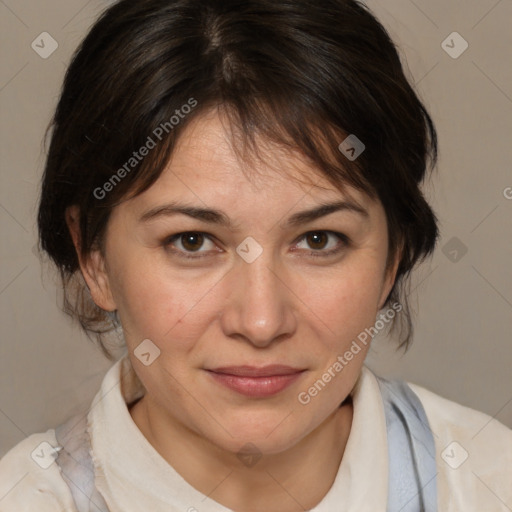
(259,188)
(211,155)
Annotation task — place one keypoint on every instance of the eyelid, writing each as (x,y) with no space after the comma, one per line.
(344,242)
(168,241)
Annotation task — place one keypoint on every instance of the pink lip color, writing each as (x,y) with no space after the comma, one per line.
(256,382)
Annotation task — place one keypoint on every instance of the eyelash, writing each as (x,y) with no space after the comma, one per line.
(344,242)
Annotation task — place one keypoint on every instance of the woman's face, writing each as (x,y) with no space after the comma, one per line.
(259,279)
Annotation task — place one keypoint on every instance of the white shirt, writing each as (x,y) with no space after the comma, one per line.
(133,477)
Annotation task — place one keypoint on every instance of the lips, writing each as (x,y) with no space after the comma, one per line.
(273,370)
(256,382)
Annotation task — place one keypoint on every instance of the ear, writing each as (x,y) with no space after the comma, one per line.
(92,265)
(390,277)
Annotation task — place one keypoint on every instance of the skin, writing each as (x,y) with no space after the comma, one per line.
(287,307)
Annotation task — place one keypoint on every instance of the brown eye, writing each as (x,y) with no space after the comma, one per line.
(323,243)
(317,239)
(192,241)
(190,244)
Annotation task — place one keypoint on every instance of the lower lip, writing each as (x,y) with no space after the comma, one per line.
(256,387)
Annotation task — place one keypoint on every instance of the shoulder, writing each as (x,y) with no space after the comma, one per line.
(31,480)
(473,455)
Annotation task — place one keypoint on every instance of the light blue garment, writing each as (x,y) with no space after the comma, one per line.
(412,483)
(76,464)
(412,462)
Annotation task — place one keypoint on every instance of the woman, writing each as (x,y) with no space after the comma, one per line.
(236,186)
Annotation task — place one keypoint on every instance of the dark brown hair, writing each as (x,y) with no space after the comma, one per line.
(301,73)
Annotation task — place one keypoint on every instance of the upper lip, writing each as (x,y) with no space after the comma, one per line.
(253,371)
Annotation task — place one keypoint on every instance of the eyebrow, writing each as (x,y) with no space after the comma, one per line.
(213,216)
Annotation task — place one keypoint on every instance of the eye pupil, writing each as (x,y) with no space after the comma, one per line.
(317,238)
(192,241)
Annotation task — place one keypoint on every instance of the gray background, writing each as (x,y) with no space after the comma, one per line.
(462,348)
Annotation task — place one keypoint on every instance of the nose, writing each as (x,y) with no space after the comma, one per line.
(260,307)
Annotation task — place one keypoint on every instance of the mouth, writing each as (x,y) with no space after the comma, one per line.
(256,382)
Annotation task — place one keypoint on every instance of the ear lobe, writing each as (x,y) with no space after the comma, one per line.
(92,265)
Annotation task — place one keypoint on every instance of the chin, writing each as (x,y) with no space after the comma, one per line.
(249,443)
(268,434)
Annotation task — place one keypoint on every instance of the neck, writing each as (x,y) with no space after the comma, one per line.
(296,479)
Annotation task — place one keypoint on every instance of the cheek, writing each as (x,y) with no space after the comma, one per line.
(347,300)
(157,303)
